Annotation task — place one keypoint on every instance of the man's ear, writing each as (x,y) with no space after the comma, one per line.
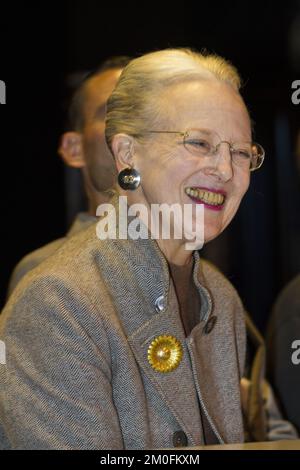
(122,147)
(71,150)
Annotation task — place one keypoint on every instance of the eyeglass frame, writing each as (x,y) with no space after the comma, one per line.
(184,134)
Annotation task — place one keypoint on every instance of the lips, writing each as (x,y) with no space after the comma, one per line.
(212,198)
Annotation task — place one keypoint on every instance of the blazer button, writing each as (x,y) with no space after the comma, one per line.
(180,439)
(210,325)
(160,304)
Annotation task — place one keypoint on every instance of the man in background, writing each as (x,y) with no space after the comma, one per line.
(84,147)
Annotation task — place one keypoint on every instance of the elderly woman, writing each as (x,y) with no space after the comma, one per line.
(134,342)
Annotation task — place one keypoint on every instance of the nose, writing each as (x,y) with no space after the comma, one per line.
(223,162)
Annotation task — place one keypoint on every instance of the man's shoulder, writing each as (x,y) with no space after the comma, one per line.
(286,310)
(290,295)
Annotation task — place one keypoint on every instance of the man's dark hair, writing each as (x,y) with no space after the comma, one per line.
(79,80)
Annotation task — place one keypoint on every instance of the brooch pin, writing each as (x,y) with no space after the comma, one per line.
(165,353)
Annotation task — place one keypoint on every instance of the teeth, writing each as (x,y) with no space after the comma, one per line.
(208,197)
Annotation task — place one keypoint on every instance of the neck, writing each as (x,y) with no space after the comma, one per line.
(94,197)
(97,198)
(174,250)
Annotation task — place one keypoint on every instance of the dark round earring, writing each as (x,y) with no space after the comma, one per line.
(129,178)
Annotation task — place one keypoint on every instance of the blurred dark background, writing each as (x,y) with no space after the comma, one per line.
(42,43)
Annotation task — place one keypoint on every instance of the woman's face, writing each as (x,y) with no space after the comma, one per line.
(169,171)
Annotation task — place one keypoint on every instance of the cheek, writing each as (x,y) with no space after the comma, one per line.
(170,165)
(94,142)
(161,178)
(95,133)
(241,184)
(152,163)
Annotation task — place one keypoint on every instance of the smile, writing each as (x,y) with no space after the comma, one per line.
(207,197)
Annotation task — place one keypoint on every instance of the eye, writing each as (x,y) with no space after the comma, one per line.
(242,153)
(199,144)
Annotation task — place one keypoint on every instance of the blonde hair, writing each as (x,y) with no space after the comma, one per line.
(133,106)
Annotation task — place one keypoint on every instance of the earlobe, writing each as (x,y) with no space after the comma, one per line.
(71,150)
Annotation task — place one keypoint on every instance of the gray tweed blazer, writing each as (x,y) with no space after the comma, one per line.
(77,331)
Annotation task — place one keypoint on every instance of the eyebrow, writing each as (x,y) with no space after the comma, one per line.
(211,131)
(204,131)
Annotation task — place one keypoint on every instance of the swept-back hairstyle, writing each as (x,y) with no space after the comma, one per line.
(133,106)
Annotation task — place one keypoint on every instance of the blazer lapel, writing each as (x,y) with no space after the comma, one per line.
(142,282)
(216,374)
(176,388)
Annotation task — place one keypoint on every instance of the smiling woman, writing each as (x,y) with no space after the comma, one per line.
(208,161)
(136,343)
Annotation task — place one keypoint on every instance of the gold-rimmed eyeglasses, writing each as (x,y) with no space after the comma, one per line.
(206,143)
